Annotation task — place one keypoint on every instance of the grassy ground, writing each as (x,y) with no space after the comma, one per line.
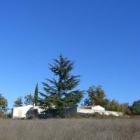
(70,129)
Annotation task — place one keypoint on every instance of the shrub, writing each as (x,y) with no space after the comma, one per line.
(136,107)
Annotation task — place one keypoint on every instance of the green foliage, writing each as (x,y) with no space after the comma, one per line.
(126,109)
(114,106)
(3,104)
(18,102)
(29,99)
(36,95)
(60,92)
(32,99)
(136,107)
(97,96)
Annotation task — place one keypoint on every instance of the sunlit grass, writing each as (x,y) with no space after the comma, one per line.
(70,129)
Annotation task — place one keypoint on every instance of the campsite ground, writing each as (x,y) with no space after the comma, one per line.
(70,129)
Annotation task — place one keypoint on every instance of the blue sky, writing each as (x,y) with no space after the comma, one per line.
(101,37)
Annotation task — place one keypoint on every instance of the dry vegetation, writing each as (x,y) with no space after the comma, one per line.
(70,129)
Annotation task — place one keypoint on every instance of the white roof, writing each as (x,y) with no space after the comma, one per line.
(98,108)
(20,112)
(23,107)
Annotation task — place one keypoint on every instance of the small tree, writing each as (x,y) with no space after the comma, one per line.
(29,99)
(126,109)
(114,106)
(60,92)
(97,96)
(36,95)
(18,102)
(136,107)
(3,104)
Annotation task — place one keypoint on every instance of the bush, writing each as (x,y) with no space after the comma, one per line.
(55,113)
(136,107)
(114,106)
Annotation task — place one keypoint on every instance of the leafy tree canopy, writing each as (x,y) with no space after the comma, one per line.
(29,99)
(97,96)
(114,106)
(18,102)
(136,107)
(3,104)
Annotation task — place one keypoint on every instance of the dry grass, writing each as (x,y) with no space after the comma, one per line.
(70,129)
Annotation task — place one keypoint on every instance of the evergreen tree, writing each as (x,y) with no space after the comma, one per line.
(18,102)
(60,92)
(36,96)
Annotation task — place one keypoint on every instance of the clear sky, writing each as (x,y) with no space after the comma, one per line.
(102,37)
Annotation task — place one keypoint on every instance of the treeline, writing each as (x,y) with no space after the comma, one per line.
(61,92)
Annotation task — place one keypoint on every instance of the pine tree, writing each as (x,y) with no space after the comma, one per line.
(60,92)
(36,95)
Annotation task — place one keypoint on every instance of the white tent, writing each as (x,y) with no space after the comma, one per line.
(93,109)
(98,108)
(21,112)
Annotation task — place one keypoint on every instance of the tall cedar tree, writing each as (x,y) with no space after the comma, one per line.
(36,95)
(60,93)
